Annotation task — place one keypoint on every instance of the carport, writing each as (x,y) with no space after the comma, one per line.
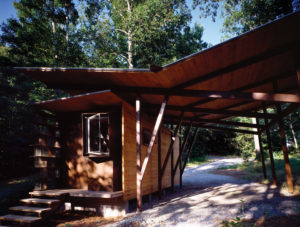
(242,77)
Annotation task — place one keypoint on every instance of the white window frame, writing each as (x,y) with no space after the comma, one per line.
(87,117)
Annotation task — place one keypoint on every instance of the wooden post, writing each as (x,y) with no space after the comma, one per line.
(180,160)
(261,152)
(269,141)
(182,148)
(153,136)
(288,170)
(159,164)
(172,166)
(138,154)
(189,150)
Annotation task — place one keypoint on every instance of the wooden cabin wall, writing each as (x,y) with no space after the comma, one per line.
(83,172)
(150,180)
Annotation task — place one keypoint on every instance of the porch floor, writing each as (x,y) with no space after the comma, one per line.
(78,193)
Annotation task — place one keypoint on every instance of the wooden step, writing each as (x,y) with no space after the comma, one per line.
(19,218)
(37,210)
(40,201)
(50,193)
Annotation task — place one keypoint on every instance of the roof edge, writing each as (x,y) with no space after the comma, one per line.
(71,97)
(228,41)
(63,69)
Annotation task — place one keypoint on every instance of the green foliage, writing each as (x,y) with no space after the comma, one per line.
(138,33)
(197,161)
(16,122)
(41,32)
(243,15)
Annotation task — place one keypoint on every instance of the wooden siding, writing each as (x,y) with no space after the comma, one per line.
(83,172)
(150,180)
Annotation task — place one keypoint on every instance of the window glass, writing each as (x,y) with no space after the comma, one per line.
(96,138)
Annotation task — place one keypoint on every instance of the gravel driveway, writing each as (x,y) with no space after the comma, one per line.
(207,199)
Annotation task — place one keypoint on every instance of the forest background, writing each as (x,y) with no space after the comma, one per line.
(118,34)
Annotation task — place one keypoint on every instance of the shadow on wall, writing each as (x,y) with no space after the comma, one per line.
(80,171)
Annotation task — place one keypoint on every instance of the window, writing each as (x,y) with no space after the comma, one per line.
(96,136)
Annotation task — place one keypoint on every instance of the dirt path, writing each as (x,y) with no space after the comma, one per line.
(202,176)
(207,199)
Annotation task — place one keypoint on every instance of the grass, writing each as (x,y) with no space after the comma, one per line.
(197,161)
(254,170)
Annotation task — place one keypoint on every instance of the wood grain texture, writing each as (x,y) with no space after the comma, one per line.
(150,180)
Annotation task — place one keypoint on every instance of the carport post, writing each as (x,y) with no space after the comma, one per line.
(288,170)
(261,152)
(159,164)
(269,141)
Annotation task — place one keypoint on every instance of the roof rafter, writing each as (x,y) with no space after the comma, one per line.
(213,111)
(252,96)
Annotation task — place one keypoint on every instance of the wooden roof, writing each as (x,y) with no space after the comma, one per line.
(81,103)
(229,79)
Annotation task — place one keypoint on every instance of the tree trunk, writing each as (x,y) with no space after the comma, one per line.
(129,35)
(67,6)
(256,140)
(54,34)
(293,133)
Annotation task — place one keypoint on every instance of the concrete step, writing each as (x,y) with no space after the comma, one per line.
(36,210)
(40,201)
(19,218)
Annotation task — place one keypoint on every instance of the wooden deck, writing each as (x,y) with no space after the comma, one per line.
(78,193)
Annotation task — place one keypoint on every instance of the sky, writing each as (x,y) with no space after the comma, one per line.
(212,33)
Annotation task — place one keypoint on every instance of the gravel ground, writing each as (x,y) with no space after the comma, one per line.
(207,199)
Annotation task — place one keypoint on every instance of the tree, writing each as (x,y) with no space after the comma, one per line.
(44,34)
(136,33)
(243,15)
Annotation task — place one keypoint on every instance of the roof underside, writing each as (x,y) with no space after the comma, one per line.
(248,64)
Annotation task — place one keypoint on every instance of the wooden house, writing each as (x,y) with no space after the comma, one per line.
(107,143)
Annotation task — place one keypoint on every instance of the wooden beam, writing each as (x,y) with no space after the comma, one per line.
(138,154)
(213,111)
(288,171)
(269,141)
(251,96)
(248,86)
(171,144)
(263,165)
(182,148)
(170,119)
(238,65)
(189,150)
(154,133)
(227,129)
(281,115)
